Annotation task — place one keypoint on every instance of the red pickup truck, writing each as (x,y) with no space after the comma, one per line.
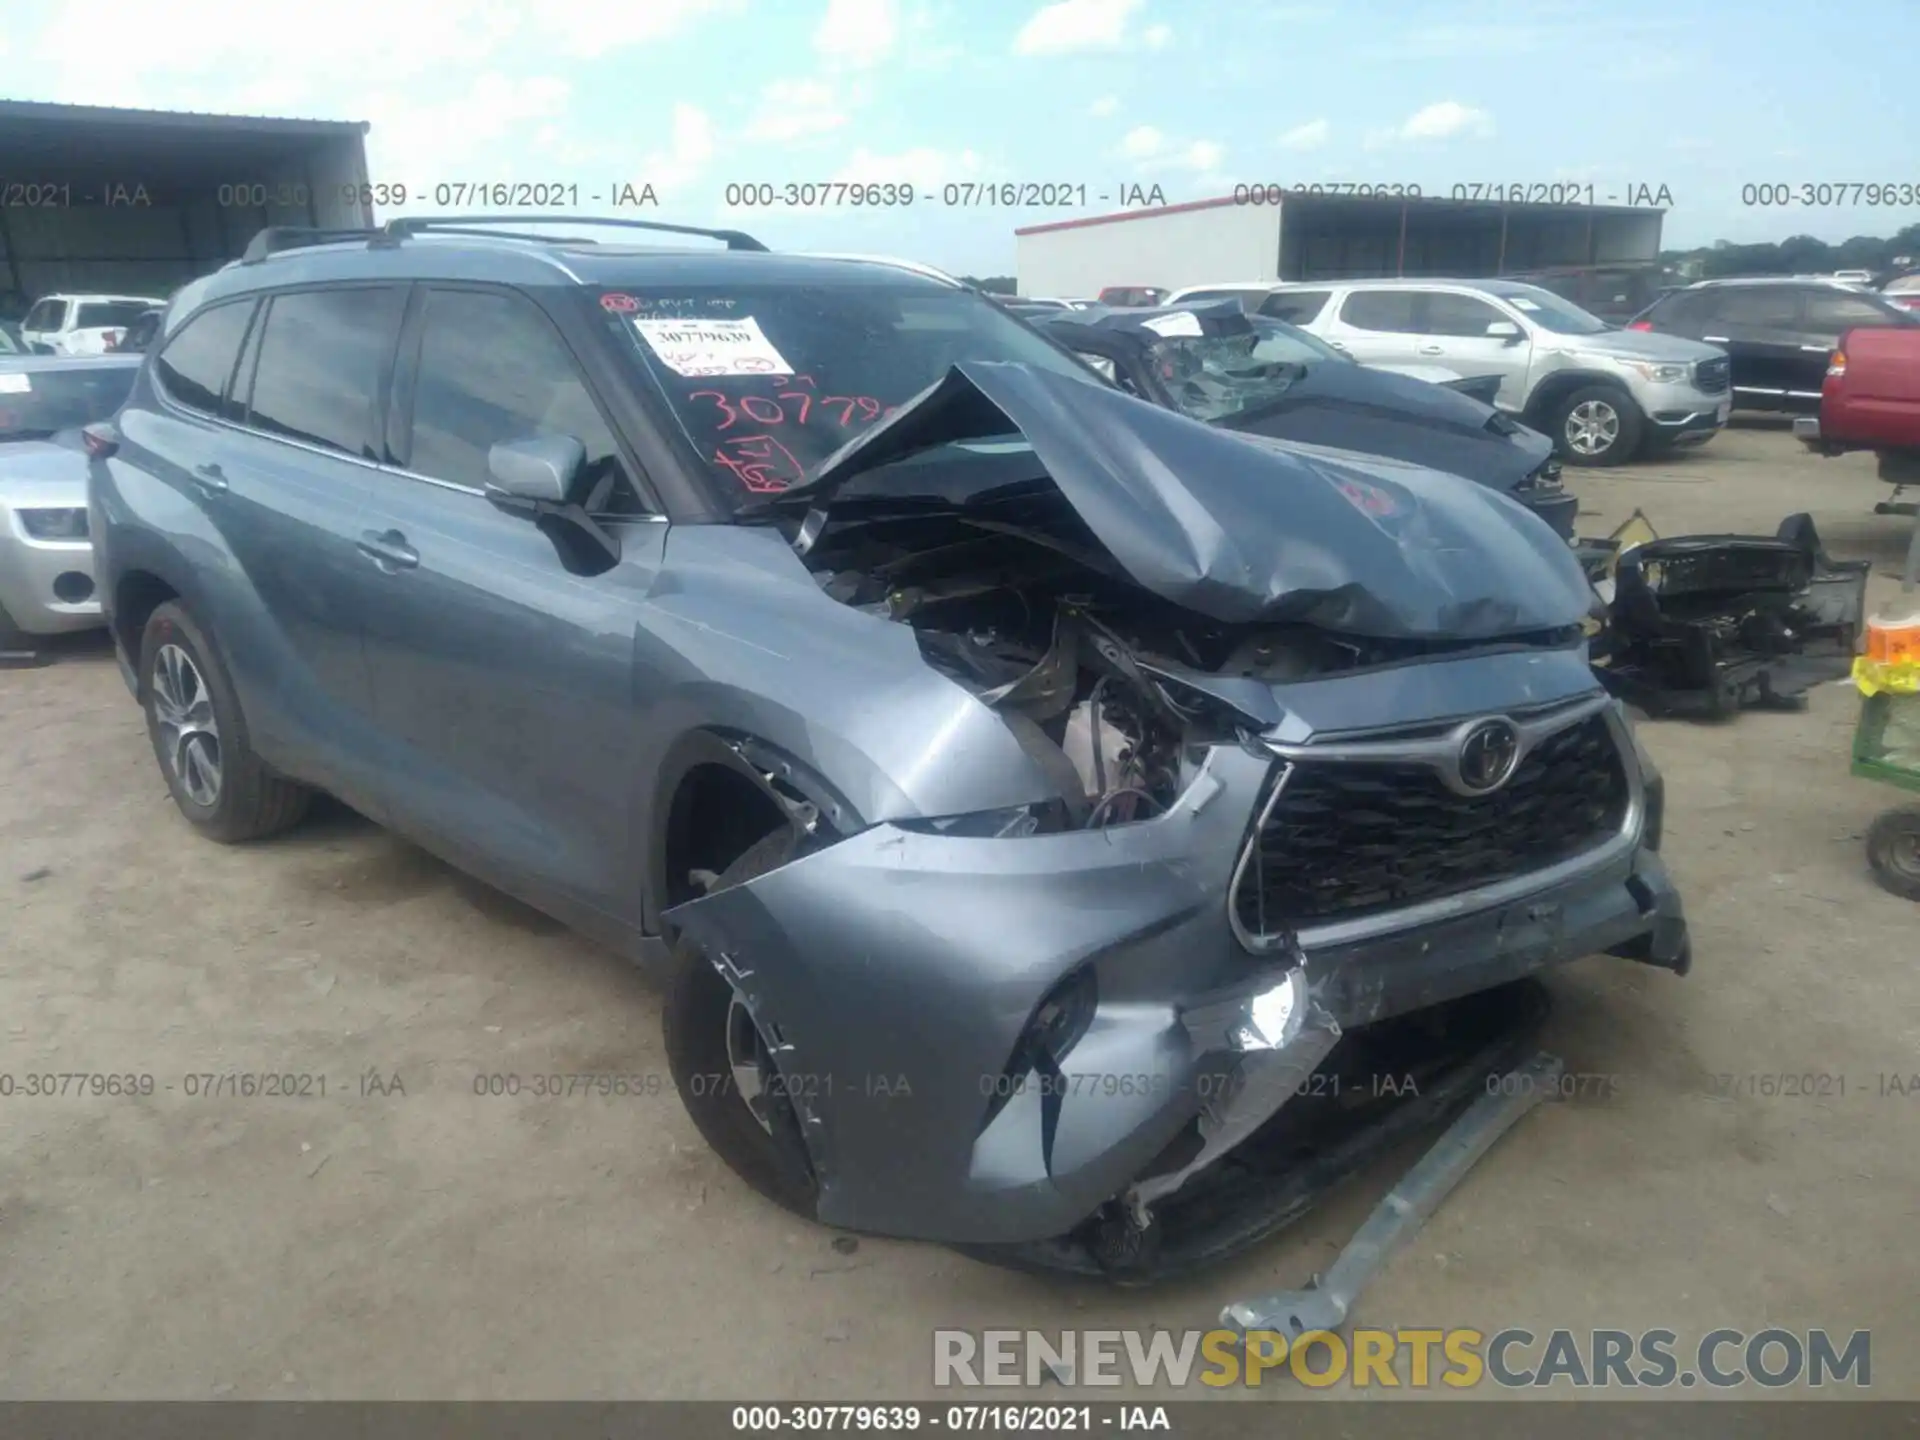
(1871,401)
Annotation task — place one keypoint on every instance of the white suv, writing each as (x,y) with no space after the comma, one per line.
(1603,394)
(83,324)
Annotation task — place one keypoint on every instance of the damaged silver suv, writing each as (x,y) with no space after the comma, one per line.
(1024,787)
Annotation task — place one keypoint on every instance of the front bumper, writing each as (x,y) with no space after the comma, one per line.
(898,973)
(1679,415)
(47,586)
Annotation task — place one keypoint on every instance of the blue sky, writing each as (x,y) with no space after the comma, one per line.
(1195,96)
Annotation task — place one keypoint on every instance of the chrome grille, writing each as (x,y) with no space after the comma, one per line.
(1349,839)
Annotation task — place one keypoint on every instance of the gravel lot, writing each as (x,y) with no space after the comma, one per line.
(439,1243)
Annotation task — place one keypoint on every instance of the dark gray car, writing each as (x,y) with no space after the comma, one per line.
(1022,786)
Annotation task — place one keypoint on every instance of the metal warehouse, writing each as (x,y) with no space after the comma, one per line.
(103,200)
(1325,237)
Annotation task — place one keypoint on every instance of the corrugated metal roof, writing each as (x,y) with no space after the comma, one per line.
(122,115)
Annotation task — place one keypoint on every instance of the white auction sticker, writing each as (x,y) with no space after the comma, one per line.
(713,347)
(1183,323)
(15,384)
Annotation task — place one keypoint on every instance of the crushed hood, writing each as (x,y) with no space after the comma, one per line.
(1237,527)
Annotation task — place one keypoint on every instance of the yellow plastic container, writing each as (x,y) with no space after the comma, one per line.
(1894,639)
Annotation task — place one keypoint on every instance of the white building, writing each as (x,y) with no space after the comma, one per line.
(1325,237)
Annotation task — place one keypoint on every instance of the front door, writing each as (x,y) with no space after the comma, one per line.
(503,681)
(1759,328)
(1453,333)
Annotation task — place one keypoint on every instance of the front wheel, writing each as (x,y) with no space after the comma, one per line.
(1893,849)
(199,736)
(1597,425)
(723,1068)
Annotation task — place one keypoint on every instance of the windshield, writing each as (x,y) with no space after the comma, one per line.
(1215,377)
(1550,311)
(36,403)
(767,381)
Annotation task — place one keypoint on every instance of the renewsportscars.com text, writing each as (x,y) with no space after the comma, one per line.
(1407,1358)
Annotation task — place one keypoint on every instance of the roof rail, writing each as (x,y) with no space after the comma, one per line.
(276,238)
(462,224)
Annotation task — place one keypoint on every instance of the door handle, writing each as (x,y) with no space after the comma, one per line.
(1714,339)
(1432,350)
(210,478)
(388,548)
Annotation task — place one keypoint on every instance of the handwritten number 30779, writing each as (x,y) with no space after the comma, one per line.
(764,411)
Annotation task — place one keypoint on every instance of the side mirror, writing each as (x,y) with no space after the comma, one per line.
(542,468)
(1504,330)
(535,478)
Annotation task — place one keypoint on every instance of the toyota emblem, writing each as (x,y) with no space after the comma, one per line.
(1488,756)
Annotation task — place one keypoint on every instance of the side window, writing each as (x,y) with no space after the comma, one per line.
(1449,314)
(1683,308)
(1764,307)
(318,367)
(198,361)
(1390,311)
(1832,312)
(47,315)
(1296,307)
(492,368)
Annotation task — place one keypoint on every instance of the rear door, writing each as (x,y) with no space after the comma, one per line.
(287,498)
(1374,326)
(503,682)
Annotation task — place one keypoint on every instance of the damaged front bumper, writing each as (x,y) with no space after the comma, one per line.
(989,1040)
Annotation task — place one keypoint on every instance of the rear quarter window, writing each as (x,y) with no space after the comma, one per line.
(1296,307)
(196,365)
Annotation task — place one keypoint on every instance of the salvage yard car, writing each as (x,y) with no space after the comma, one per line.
(83,324)
(952,726)
(1605,395)
(1870,400)
(46,559)
(1243,372)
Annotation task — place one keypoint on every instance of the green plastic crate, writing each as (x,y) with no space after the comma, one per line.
(1886,741)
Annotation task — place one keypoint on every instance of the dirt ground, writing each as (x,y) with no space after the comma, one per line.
(440,1243)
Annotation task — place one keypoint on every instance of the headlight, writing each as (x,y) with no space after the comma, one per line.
(54,524)
(1012,823)
(1653,786)
(1662,372)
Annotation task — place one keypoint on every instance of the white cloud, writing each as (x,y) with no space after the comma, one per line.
(1158,36)
(796,110)
(855,32)
(419,144)
(1068,25)
(1310,136)
(689,150)
(922,168)
(1152,149)
(1445,120)
(1103,107)
(590,28)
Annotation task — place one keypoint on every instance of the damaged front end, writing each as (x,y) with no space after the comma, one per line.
(1705,624)
(1327,765)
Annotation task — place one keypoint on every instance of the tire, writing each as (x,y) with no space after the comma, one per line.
(1601,418)
(221,787)
(772,1156)
(18,650)
(1893,849)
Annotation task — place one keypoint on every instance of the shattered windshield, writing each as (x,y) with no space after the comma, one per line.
(1216,377)
(767,381)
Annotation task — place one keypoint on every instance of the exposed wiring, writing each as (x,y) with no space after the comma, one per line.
(1106,801)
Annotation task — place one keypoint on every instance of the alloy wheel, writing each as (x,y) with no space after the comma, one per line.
(190,735)
(1592,427)
(747,1058)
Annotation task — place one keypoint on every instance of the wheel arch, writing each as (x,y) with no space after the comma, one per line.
(1562,383)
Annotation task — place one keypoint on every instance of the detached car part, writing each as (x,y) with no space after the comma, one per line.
(1704,624)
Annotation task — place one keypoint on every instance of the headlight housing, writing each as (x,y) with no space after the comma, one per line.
(52,524)
(1662,372)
